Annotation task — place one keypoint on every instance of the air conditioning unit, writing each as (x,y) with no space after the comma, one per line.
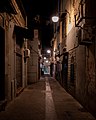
(26,53)
(85,36)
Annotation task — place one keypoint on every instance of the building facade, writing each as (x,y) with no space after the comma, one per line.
(33,63)
(13,60)
(76,46)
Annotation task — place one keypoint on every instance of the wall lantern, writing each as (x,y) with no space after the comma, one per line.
(63,14)
(44,58)
(48,51)
(55,18)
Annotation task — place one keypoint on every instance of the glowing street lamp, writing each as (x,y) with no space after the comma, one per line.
(48,51)
(47,61)
(44,58)
(55,18)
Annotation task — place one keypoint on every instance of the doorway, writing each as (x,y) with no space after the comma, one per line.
(2,64)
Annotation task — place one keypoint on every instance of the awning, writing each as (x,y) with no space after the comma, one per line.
(7,6)
(23,32)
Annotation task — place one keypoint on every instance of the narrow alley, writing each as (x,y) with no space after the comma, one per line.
(45,100)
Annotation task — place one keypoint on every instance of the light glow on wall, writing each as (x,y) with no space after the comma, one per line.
(69,27)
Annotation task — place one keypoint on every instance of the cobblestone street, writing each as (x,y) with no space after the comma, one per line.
(45,100)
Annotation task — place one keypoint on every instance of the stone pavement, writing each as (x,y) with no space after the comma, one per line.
(45,100)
